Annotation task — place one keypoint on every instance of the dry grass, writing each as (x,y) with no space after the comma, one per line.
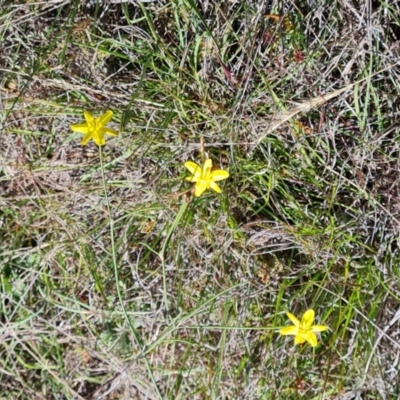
(144,292)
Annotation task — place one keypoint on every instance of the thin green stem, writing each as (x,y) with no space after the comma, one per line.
(139,342)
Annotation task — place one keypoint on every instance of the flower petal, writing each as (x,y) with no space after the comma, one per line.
(311,338)
(109,131)
(207,168)
(88,116)
(289,330)
(299,339)
(193,168)
(98,138)
(215,187)
(201,186)
(86,138)
(308,319)
(295,321)
(81,128)
(105,118)
(219,175)
(319,328)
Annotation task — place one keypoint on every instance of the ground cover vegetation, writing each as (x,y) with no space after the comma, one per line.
(184,183)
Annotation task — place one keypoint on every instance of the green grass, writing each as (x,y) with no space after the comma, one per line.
(116,282)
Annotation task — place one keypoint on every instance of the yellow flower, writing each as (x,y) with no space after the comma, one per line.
(94,128)
(304,330)
(204,177)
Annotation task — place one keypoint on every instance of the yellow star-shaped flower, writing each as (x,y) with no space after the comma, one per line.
(94,128)
(304,331)
(204,177)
